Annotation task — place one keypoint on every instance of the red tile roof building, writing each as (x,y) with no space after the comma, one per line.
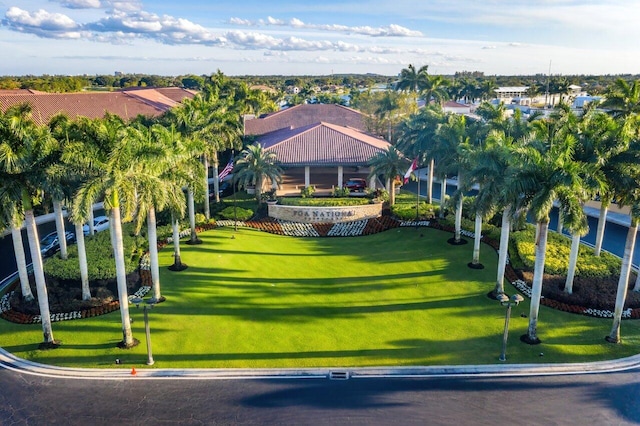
(127,104)
(317,143)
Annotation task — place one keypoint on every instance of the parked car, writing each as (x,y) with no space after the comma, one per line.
(49,245)
(356,184)
(100,223)
(224,189)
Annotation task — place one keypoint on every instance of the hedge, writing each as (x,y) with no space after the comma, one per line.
(100,260)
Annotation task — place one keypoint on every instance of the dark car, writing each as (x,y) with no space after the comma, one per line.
(356,184)
(225,189)
(49,245)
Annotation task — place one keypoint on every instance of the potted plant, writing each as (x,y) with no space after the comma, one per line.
(270,196)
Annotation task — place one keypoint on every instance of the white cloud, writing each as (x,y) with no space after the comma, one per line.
(42,23)
(240,21)
(80,4)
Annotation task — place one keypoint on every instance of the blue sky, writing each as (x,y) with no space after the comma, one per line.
(320,37)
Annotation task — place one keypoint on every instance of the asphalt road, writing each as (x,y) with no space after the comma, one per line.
(602,399)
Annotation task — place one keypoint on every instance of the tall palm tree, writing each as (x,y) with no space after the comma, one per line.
(115,185)
(11,218)
(390,164)
(26,151)
(628,193)
(488,163)
(254,166)
(158,176)
(544,171)
(450,152)
(417,138)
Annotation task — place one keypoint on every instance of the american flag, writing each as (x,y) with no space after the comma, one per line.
(227,169)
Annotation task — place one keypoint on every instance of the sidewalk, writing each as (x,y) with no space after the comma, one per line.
(10,362)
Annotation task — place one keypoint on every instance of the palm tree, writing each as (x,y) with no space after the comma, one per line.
(158,177)
(623,99)
(488,163)
(544,171)
(114,183)
(452,143)
(412,80)
(390,164)
(10,218)
(434,89)
(26,151)
(417,137)
(254,166)
(628,193)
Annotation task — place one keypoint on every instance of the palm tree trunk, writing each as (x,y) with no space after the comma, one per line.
(177,261)
(602,221)
(458,223)
(259,189)
(560,222)
(121,276)
(216,181)
(92,229)
(623,281)
(62,239)
(573,261)
(192,218)
(476,240)
(38,273)
(430,183)
(443,194)
(207,210)
(82,260)
(153,253)
(536,286)
(503,252)
(392,193)
(21,261)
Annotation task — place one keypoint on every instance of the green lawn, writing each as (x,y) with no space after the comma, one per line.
(401,297)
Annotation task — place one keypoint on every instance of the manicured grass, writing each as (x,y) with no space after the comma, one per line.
(401,297)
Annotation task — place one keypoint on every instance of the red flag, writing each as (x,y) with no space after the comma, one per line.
(412,167)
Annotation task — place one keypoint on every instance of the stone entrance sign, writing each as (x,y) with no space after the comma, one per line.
(325,214)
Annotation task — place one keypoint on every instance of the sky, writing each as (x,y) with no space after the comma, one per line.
(319,37)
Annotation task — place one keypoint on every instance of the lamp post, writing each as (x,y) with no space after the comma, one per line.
(148,305)
(508,302)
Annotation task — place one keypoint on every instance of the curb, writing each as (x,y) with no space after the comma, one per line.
(10,362)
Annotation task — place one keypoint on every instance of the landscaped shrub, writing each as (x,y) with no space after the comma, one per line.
(100,260)
(239,214)
(338,192)
(557,256)
(406,211)
(324,202)
(307,191)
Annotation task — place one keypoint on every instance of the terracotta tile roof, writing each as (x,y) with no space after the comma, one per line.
(322,144)
(126,104)
(303,115)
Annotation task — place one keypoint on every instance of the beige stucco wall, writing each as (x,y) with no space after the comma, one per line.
(325,214)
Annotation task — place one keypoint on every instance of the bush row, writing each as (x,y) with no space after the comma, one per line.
(100,263)
(557,256)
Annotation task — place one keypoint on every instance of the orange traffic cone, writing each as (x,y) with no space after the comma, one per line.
(133,371)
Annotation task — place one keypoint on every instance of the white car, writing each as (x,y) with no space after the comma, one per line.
(100,223)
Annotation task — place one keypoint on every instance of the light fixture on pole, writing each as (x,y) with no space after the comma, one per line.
(148,305)
(508,302)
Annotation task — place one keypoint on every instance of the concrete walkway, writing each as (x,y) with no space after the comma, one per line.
(13,363)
